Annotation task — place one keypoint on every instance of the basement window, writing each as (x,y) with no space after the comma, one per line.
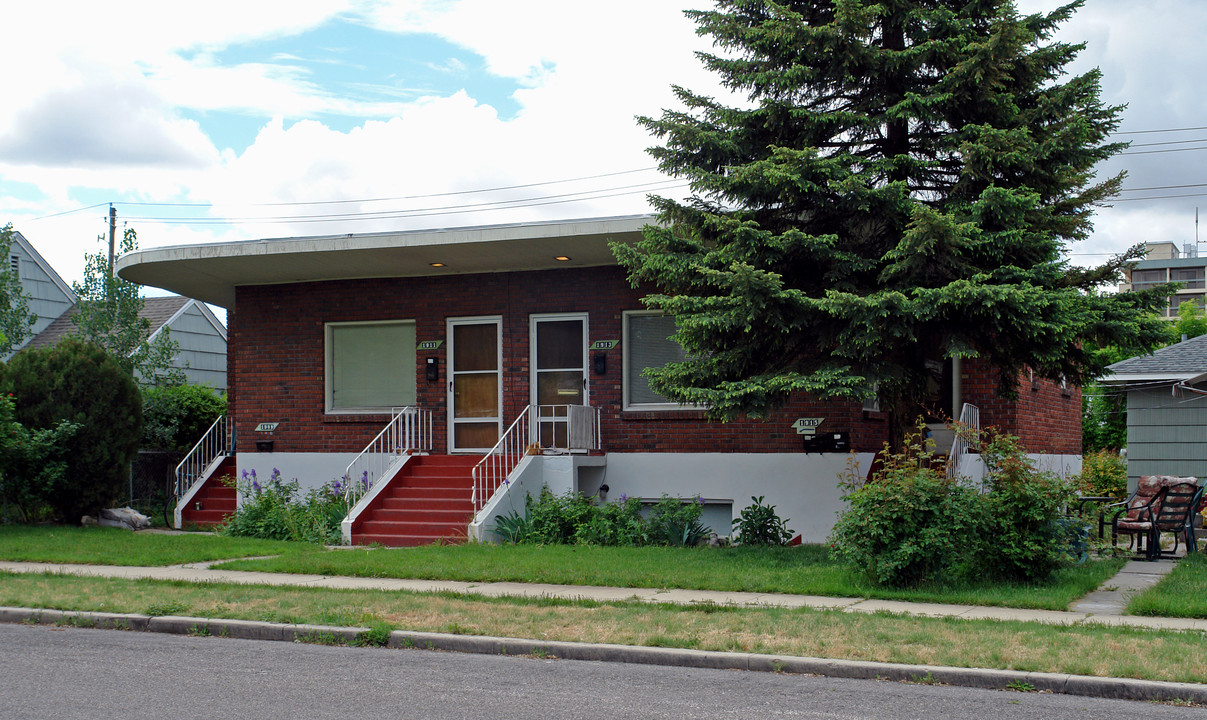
(370,366)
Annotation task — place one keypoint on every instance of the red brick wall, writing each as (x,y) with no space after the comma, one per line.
(276,366)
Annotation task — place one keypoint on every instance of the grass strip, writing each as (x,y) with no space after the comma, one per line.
(113,546)
(1021,646)
(1182,593)
(804,570)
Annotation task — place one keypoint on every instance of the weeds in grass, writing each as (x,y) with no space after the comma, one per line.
(318,637)
(168,607)
(1020,686)
(378,635)
(541,653)
(200,631)
(927,679)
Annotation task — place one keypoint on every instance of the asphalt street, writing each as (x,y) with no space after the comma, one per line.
(54,672)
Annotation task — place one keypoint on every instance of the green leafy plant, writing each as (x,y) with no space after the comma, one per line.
(79,383)
(676,522)
(175,417)
(909,524)
(32,462)
(759,524)
(1025,535)
(272,510)
(1103,474)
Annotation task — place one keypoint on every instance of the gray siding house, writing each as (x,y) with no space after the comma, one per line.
(50,296)
(1166,410)
(200,334)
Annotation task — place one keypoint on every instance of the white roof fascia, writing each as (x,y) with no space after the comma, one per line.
(1125,378)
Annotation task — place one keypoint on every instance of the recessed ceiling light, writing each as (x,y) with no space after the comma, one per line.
(561,258)
(436,264)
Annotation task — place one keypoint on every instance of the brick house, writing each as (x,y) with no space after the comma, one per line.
(473,328)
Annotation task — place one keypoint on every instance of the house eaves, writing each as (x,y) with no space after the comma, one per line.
(211,272)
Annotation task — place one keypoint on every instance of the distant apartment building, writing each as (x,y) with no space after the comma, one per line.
(1165,263)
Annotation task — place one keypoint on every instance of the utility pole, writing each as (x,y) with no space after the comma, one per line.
(112,233)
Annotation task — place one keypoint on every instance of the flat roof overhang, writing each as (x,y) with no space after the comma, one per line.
(211,272)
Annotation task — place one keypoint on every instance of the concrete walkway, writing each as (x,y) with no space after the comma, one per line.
(1104,606)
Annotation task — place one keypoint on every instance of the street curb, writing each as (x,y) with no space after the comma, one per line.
(1114,688)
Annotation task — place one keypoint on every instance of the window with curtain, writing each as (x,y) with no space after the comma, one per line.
(370,367)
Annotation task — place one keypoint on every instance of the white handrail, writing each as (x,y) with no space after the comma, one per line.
(216,442)
(492,470)
(969,426)
(409,431)
(525,437)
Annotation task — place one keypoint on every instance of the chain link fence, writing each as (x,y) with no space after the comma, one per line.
(152,479)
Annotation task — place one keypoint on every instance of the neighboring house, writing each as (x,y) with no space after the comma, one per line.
(1164,263)
(200,334)
(50,296)
(193,326)
(1166,409)
(472,326)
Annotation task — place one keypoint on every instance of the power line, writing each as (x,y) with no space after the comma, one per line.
(388,215)
(1156,152)
(1148,132)
(1157,197)
(1163,187)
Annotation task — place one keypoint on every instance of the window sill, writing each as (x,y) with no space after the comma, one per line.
(374,418)
(669,414)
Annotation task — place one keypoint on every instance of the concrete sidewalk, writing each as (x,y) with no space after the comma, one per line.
(1102,607)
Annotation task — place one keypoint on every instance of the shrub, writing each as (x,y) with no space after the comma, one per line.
(79,383)
(32,462)
(675,522)
(910,523)
(1103,474)
(175,417)
(272,510)
(760,525)
(1026,535)
(575,519)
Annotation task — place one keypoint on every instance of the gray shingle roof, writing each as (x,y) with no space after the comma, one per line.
(158,310)
(1187,358)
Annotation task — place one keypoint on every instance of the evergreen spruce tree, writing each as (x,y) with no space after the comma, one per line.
(901,186)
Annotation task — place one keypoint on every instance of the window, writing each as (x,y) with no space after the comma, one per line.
(1190,277)
(1145,278)
(370,367)
(647,344)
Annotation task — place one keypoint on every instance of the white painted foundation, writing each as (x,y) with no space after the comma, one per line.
(311,470)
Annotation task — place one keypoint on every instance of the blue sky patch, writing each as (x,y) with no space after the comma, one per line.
(360,64)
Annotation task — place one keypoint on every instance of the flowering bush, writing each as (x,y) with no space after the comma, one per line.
(272,509)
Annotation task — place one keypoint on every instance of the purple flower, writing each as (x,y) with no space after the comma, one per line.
(364,479)
(699,500)
(253,473)
(255,486)
(624,498)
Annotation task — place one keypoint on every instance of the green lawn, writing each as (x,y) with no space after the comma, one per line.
(1182,593)
(804,570)
(1023,646)
(113,546)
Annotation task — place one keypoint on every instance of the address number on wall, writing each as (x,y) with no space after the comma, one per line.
(266,427)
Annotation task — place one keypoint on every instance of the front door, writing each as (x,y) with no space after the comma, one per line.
(559,373)
(475,396)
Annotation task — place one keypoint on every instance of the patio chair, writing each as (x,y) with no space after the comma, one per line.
(1176,515)
(1135,515)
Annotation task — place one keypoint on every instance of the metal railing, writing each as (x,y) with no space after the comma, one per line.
(217,442)
(968,428)
(538,429)
(409,431)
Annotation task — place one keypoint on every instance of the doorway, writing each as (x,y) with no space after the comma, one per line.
(559,373)
(475,388)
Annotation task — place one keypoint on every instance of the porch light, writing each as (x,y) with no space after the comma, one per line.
(436,264)
(561,258)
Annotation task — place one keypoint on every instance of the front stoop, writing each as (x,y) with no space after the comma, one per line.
(214,502)
(430,500)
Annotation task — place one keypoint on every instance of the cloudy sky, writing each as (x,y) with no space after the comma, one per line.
(238,120)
